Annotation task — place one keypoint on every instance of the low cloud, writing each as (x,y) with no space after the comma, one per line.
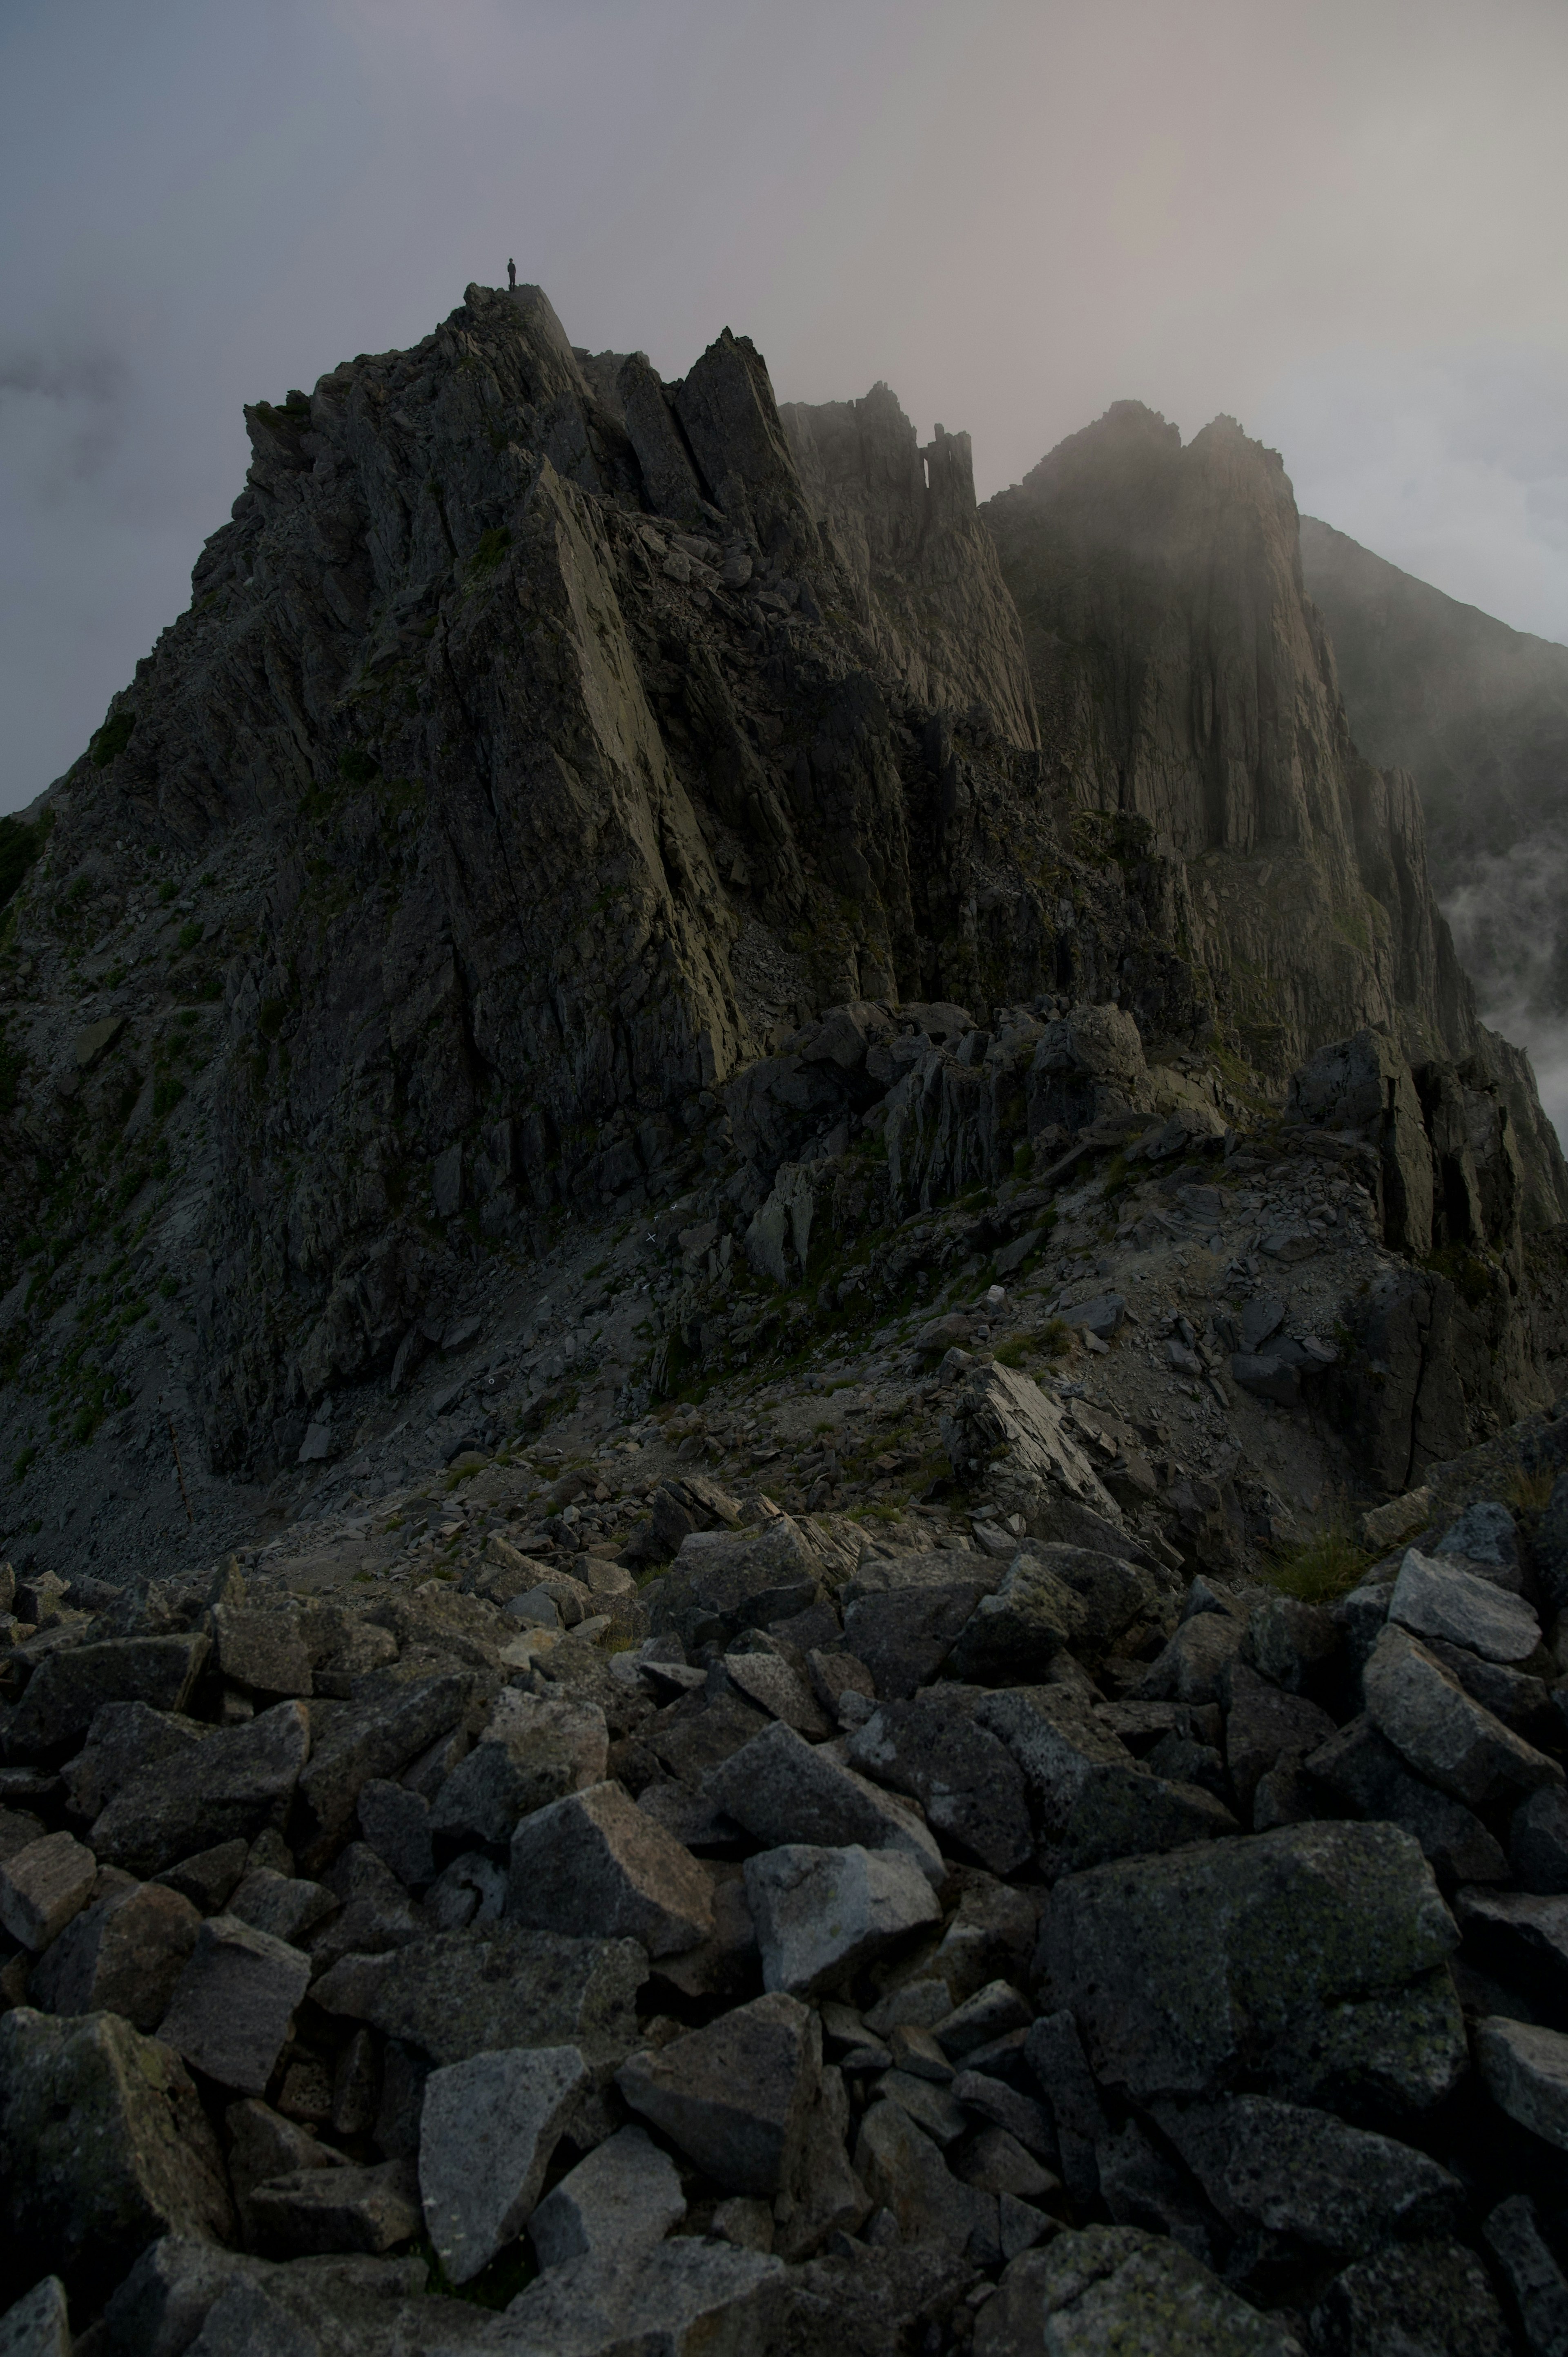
(70,407)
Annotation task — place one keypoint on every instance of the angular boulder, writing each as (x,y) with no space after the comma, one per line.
(67,1689)
(903,1614)
(971,1789)
(625,2197)
(466,1993)
(689,2297)
(232,2004)
(1434,1598)
(723,1582)
(597,1865)
(1116,2288)
(737,2096)
(534,1749)
(1442,1732)
(1003,1419)
(1307,1958)
(232,1786)
(487,2132)
(122,1955)
(1051,1599)
(820,1912)
(1300,2172)
(42,1886)
(104,2145)
(782,1789)
(1421,2299)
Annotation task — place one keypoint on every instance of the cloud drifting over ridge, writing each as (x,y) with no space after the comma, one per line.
(1344,226)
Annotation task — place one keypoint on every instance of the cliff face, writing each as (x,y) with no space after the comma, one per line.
(1182,674)
(543,746)
(1476,712)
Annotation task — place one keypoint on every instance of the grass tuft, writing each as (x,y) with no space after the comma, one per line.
(1327,1565)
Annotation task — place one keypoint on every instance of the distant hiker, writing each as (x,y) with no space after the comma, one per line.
(511,274)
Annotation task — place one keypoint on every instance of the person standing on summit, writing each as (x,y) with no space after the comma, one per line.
(511,274)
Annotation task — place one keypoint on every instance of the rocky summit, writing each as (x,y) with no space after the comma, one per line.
(788,1507)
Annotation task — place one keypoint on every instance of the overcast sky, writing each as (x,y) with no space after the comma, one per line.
(1345,224)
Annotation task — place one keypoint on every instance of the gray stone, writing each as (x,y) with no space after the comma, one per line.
(1532,2275)
(1263,1725)
(396,1824)
(388,1724)
(472,1890)
(965,1779)
(37,2325)
(903,1614)
(263,2144)
(735,2096)
(1487,1538)
(820,1913)
(245,2317)
(938,2114)
(262,1647)
(904,2172)
(1026,2121)
(996,2162)
(1521,1934)
(1102,1316)
(1293,1644)
(1366,1774)
(1261,1319)
(773,1686)
(1002,1420)
(1051,1599)
(232,2005)
(208,1878)
(104,2145)
(287,1906)
(182,2296)
(624,2198)
(597,1865)
(1279,1953)
(1434,1599)
(682,2299)
(467,1993)
(721,1582)
(67,1689)
(351,2209)
(42,1886)
(783,1790)
(1538,1841)
(122,1955)
(1195,1666)
(376,1912)
(1095,1801)
(991,2012)
(1548,1548)
(534,1749)
(1421,2299)
(1300,2172)
(123,1737)
(487,2133)
(1117,2288)
(1055,2054)
(228,1788)
(1441,1732)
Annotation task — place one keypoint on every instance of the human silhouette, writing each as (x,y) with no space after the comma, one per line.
(511,274)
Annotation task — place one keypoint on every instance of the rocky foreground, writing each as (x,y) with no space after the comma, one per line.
(696,1883)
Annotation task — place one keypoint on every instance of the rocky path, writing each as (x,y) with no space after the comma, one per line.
(631,1909)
